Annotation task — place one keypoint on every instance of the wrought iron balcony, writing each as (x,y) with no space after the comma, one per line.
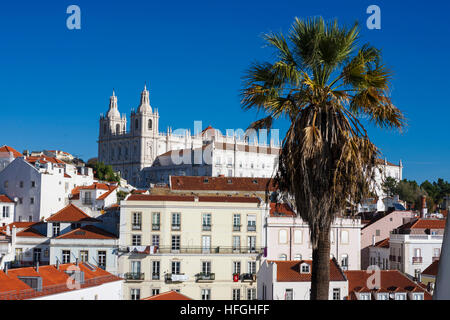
(416,260)
(175,278)
(88,201)
(206,227)
(236,227)
(251,227)
(134,276)
(136,226)
(248,277)
(155,276)
(205,276)
(203,250)
(176,227)
(156,226)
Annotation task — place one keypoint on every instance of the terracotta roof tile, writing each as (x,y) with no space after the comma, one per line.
(289,271)
(198,183)
(7,149)
(170,295)
(87,232)
(432,269)
(383,243)
(150,197)
(4,198)
(106,194)
(281,210)
(30,232)
(71,213)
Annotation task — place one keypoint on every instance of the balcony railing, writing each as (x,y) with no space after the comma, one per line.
(156,226)
(206,227)
(136,227)
(205,276)
(176,227)
(236,227)
(134,276)
(175,278)
(435,258)
(248,277)
(416,260)
(204,250)
(251,227)
(87,201)
(155,276)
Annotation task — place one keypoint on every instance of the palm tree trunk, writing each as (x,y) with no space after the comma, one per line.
(320,275)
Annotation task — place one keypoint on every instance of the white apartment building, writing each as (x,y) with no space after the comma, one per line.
(291,280)
(206,247)
(415,245)
(7,207)
(41,185)
(379,254)
(130,152)
(93,199)
(287,237)
(7,155)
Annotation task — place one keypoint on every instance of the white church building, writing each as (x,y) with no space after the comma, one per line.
(144,155)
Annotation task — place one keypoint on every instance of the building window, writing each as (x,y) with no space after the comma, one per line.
(344,261)
(150,124)
(136,124)
(56,229)
(135,294)
(136,240)
(251,294)
(206,267)
(236,294)
(176,267)
(282,236)
(176,242)
(206,294)
(155,240)
(364,296)
(5,184)
(289,294)
(236,267)
(101,259)
(136,269)
(236,243)
(5,212)
(32,200)
(252,267)
(236,222)
(136,221)
(251,242)
(251,222)
(298,257)
(417,296)
(155,292)
(156,221)
(206,221)
(400,296)
(282,257)
(21,184)
(305,268)
(344,237)
(298,236)
(30,218)
(84,256)
(155,270)
(206,244)
(336,294)
(176,221)
(382,296)
(66,256)
(33,184)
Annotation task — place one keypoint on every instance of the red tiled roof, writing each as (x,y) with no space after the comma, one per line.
(53,280)
(422,223)
(390,281)
(381,161)
(19,224)
(87,232)
(8,149)
(106,194)
(170,295)
(43,159)
(71,213)
(220,183)
(289,271)
(432,269)
(96,185)
(383,243)
(5,198)
(30,232)
(150,197)
(281,210)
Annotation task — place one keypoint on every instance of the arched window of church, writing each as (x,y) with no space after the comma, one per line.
(150,124)
(117,128)
(136,124)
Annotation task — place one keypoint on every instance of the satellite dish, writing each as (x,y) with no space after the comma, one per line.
(16,199)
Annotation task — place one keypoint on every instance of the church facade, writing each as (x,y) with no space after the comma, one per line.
(133,152)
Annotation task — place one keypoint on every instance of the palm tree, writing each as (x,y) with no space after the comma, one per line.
(322,81)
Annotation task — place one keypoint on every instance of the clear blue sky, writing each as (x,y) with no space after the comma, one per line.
(55,82)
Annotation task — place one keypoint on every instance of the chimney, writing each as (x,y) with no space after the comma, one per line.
(57,264)
(37,266)
(373,241)
(76,261)
(423,209)
(6,268)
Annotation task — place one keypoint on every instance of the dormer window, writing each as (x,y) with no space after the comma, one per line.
(383,296)
(400,296)
(417,296)
(305,268)
(364,296)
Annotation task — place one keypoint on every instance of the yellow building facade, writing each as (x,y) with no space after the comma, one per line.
(205,247)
